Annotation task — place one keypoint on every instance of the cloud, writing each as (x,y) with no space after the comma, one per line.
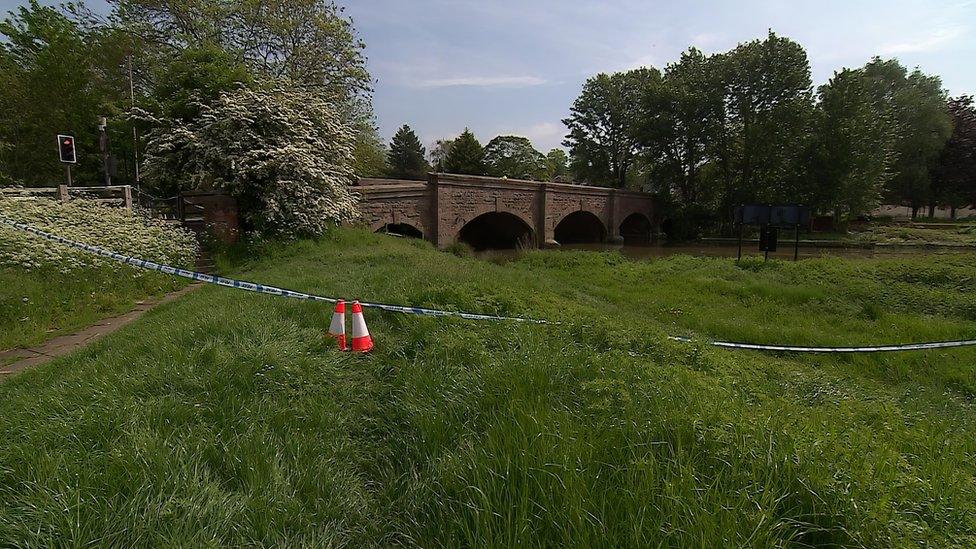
(480,82)
(933,42)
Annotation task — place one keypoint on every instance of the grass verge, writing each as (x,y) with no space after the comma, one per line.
(227,419)
(40,303)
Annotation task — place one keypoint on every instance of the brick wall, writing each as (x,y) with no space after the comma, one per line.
(215,213)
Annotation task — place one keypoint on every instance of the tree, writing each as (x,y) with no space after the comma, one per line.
(853,147)
(603,125)
(954,174)
(557,165)
(308,42)
(369,153)
(284,153)
(680,119)
(56,78)
(406,156)
(769,106)
(466,155)
(193,76)
(514,156)
(439,152)
(918,106)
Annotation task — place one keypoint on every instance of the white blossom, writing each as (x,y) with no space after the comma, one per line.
(284,153)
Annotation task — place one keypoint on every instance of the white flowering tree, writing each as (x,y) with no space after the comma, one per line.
(284,153)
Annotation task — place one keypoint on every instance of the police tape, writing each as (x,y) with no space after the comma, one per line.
(272,290)
(802,349)
(252,286)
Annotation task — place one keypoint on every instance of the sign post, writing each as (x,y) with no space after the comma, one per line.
(770,218)
(66,152)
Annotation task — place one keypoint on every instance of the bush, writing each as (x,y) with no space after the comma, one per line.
(284,153)
(89,222)
(460,249)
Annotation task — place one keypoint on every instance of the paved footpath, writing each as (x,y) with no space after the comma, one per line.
(65,344)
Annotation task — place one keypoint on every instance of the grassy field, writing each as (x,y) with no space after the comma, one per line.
(947,235)
(41,303)
(226,418)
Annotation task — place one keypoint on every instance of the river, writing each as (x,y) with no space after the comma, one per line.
(725,250)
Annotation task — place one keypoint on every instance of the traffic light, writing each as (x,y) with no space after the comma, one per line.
(66,147)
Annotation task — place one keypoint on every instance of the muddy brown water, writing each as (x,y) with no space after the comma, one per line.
(722,250)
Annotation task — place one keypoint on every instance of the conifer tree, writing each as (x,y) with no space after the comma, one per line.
(406,156)
(467,156)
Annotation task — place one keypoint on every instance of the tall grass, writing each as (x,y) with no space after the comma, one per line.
(40,303)
(228,419)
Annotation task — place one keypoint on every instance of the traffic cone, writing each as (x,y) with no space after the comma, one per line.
(338,327)
(361,341)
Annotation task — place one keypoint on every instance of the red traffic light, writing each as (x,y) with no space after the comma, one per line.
(66,149)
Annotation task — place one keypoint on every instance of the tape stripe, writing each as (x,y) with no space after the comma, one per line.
(253,286)
(800,349)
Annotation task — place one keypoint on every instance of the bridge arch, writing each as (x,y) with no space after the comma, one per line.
(497,231)
(401,229)
(580,227)
(636,228)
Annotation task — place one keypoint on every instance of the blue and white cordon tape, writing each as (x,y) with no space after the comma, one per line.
(265,289)
(802,349)
(249,286)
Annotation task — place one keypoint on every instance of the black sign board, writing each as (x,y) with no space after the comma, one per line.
(752,214)
(770,218)
(782,215)
(789,216)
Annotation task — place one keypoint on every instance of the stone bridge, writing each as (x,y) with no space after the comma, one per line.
(487,212)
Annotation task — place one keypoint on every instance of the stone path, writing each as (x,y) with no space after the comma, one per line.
(64,344)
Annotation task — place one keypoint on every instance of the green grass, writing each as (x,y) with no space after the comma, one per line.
(961,235)
(226,418)
(38,304)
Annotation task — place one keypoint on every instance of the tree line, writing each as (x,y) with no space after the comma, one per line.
(712,131)
(509,156)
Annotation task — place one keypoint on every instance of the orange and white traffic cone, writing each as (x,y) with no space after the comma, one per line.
(361,341)
(338,327)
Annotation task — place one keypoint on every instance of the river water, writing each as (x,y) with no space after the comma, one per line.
(725,250)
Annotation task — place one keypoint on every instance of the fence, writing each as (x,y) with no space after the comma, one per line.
(114,195)
(201,211)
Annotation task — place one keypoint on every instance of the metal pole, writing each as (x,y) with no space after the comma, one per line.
(796,242)
(103,145)
(67,171)
(738,257)
(764,234)
(135,133)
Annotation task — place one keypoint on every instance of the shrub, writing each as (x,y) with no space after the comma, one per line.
(284,153)
(89,222)
(460,249)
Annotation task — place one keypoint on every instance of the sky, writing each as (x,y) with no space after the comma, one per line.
(515,67)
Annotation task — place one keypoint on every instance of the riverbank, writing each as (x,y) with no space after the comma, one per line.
(959,236)
(228,418)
